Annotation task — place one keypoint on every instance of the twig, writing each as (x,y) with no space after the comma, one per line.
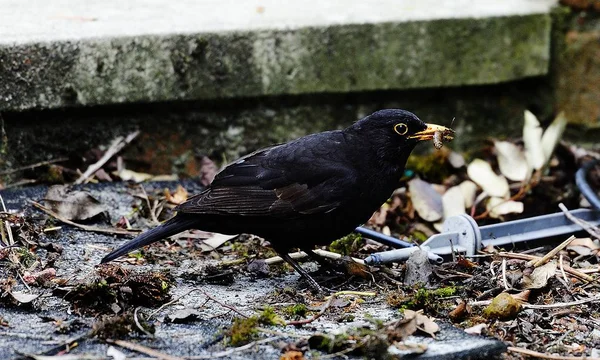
(234,350)
(302,254)
(591,229)
(562,271)
(33,166)
(316,316)
(541,307)
(540,355)
(552,252)
(137,323)
(504,280)
(117,145)
(351,292)
(568,269)
(113,231)
(143,349)
(11,240)
(171,303)
(150,208)
(203,293)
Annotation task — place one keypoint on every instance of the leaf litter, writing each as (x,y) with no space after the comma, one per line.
(502,295)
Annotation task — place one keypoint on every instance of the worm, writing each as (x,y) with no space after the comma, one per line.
(437,139)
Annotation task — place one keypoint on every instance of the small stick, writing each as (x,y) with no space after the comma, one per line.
(316,316)
(541,307)
(504,280)
(81,226)
(302,254)
(351,292)
(11,240)
(117,145)
(562,271)
(143,349)
(591,229)
(552,253)
(33,166)
(539,355)
(568,269)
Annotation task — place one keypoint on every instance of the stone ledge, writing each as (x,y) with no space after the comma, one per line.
(69,53)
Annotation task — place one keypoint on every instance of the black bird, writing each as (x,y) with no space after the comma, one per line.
(309,191)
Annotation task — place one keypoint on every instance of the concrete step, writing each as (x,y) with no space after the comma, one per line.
(64,53)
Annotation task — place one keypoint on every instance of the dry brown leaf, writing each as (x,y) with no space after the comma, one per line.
(72,205)
(540,276)
(553,134)
(178,197)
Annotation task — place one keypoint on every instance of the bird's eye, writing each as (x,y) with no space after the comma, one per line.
(401,129)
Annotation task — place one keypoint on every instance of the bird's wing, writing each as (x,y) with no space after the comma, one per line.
(283,181)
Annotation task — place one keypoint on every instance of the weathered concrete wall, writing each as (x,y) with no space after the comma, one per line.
(577,70)
(55,55)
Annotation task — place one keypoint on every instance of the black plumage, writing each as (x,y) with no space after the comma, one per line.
(307,192)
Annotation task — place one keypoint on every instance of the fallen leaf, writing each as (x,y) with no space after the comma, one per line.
(423,322)
(22,297)
(532,138)
(469,190)
(511,161)
(540,276)
(179,196)
(476,329)
(73,204)
(292,355)
(183,316)
(584,246)
(482,174)
(498,207)
(129,175)
(454,202)
(426,200)
(553,134)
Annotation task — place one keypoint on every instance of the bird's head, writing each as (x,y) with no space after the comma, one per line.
(394,133)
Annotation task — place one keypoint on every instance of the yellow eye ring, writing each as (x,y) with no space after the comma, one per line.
(401,129)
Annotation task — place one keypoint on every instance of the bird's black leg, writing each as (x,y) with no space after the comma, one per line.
(284,255)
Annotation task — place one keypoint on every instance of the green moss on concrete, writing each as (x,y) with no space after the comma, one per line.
(344,58)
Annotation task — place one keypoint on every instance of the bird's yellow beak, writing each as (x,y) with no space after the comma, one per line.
(428,134)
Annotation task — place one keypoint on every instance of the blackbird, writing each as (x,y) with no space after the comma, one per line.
(309,191)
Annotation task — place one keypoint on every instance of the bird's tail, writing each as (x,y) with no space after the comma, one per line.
(171,227)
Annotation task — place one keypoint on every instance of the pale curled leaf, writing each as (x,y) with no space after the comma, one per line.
(426,201)
(469,190)
(476,329)
(22,297)
(482,174)
(532,138)
(498,207)
(130,175)
(453,201)
(552,135)
(511,161)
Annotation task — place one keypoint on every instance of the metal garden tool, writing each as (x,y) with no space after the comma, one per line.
(461,234)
